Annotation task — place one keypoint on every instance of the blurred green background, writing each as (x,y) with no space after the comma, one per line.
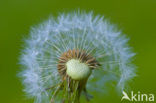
(137,19)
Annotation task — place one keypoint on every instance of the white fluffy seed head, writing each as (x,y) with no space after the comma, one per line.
(78,30)
(77,70)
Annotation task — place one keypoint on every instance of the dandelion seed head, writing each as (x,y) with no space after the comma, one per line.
(75,31)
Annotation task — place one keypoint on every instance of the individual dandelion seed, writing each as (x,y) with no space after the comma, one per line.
(75,52)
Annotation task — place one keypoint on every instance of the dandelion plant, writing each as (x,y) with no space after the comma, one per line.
(72,54)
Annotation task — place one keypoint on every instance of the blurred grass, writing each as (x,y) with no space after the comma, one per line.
(137,19)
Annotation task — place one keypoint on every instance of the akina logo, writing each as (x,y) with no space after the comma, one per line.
(137,97)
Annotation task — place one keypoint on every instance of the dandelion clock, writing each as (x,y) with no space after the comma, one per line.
(68,56)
